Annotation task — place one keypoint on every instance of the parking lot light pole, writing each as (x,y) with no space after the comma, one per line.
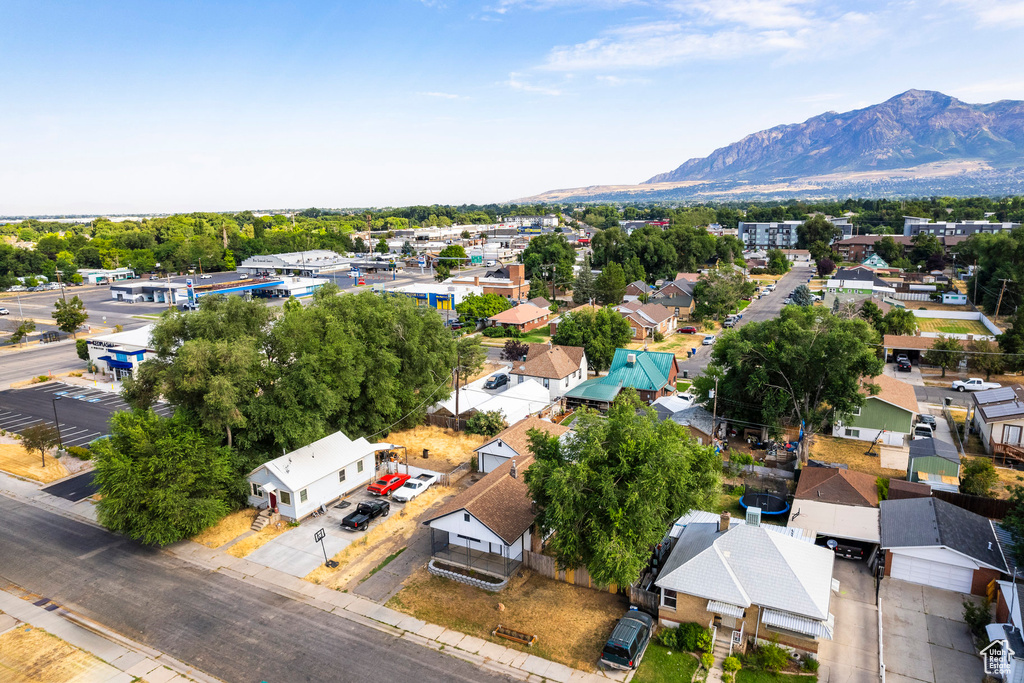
(60,443)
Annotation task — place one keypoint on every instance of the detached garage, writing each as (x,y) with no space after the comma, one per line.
(935,543)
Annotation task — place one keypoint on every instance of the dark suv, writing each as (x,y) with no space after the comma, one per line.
(628,641)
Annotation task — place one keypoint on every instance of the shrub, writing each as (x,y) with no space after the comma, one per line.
(707,660)
(740,458)
(494,332)
(977,617)
(772,657)
(79,452)
(759,271)
(513,333)
(658,337)
(704,641)
(738,490)
(688,636)
(882,485)
(810,664)
(82,348)
(732,664)
(667,638)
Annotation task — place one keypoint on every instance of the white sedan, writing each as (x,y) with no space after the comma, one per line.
(708,340)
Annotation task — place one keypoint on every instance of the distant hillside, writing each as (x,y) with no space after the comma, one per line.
(915,128)
(915,144)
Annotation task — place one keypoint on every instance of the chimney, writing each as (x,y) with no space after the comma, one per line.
(513,470)
(476,280)
(630,358)
(723,521)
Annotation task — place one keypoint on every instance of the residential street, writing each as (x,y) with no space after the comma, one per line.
(759,310)
(228,628)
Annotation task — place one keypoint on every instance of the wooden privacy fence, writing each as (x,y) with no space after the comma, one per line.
(546,566)
(993,508)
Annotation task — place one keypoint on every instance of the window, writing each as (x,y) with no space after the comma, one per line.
(520,379)
(342,473)
(856,411)
(468,538)
(359,466)
(257,490)
(286,498)
(465,516)
(545,382)
(302,496)
(566,381)
(668,598)
(853,433)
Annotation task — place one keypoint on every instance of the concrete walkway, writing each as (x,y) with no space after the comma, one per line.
(487,655)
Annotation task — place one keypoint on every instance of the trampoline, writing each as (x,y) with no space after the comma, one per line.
(769,503)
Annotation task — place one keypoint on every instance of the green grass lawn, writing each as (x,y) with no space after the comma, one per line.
(753,676)
(661,665)
(683,385)
(743,304)
(535,337)
(952,326)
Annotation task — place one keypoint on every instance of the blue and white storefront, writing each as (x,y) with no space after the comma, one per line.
(121,353)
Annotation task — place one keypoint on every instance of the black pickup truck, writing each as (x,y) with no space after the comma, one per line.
(360,519)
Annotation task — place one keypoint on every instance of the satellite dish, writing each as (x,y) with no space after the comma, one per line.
(832,543)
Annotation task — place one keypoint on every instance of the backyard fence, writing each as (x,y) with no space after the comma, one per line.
(993,508)
(546,566)
(451,478)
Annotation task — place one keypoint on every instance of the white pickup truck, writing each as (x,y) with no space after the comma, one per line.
(413,488)
(974,384)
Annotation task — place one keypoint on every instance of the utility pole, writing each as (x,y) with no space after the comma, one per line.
(62,294)
(457,393)
(1003,289)
(714,414)
(975,283)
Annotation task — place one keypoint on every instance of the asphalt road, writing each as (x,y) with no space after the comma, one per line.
(224,627)
(84,413)
(74,489)
(937,394)
(759,310)
(16,366)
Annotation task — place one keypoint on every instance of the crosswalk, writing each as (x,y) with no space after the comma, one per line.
(72,434)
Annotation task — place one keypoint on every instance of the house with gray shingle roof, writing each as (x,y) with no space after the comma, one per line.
(765,582)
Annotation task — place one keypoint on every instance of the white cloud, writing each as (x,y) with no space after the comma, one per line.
(441,95)
(620,80)
(517,82)
(995,13)
(762,14)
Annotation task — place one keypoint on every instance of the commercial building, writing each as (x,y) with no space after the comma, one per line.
(507,281)
(121,353)
(96,276)
(913,226)
(137,291)
(781,234)
(443,296)
(548,221)
(301,263)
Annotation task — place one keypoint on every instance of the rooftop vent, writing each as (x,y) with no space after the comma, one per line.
(631,358)
(513,470)
(754,516)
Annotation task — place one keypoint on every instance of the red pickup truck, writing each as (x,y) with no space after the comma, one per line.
(387,484)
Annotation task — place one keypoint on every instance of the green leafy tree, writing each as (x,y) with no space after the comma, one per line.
(872,313)
(538,288)
(450,257)
(985,357)
(407,248)
(803,296)
(803,367)
(825,266)
(1011,342)
(778,264)
(486,423)
(946,353)
(633,270)
(475,306)
(69,314)
(900,321)
(598,332)
(889,249)
(229,260)
(925,247)
(82,349)
(39,437)
(583,290)
(382,246)
(549,255)
(1014,521)
(609,494)
(161,480)
(817,229)
(978,477)
(291,305)
(610,285)
(25,328)
(718,293)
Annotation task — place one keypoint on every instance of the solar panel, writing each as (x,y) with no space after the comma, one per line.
(995,395)
(1004,409)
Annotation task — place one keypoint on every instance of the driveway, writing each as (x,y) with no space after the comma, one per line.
(294,552)
(913,377)
(924,635)
(852,655)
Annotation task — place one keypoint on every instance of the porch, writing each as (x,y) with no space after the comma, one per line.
(477,560)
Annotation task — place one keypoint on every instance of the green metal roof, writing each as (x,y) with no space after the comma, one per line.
(650,371)
(595,390)
(933,464)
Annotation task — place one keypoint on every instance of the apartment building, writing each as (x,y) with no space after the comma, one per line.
(913,226)
(781,234)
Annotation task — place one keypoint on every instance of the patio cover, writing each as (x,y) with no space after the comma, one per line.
(792,622)
(725,609)
(852,522)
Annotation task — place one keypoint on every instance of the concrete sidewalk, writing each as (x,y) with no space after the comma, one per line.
(491,656)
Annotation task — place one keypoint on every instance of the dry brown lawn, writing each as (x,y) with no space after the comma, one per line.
(227,529)
(14,459)
(387,537)
(250,544)
(31,655)
(447,448)
(571,622)
(851,452)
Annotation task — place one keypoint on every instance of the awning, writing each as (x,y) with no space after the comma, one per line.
(268,488)
(797,624)
(120,364)
(725,609)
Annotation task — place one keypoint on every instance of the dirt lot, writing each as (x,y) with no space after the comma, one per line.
(227,529)
(31,655)
(852,453)
(448,449)
(14,459)
(571,623)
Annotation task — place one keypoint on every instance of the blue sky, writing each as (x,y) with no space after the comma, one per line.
(180,106)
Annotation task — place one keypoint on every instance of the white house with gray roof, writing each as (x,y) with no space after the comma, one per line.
(299,482)
(763,582)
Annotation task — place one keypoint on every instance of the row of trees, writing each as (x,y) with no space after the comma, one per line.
(663,253)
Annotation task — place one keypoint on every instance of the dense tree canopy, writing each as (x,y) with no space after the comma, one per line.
(609,493)
(718,293)
(548,257)
(598,332)
(475,306)
(610,285)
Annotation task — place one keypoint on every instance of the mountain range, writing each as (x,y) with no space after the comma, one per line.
(917,143)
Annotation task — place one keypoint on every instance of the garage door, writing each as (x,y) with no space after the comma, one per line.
(932,573)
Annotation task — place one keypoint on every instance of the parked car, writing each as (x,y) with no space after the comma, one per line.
(708,340)
(729,322)
(386,484)
(491,263)
(974,384)
(922,431)
(413,487)
(628,641)
(902,356)
(243,276)
(903,365)
(927,420)
(364,513)
(496,381)
(205,276)
(4,311)
(787,301)
(457,325)
(689,329)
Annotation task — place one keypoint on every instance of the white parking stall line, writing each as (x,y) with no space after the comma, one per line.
(70,433)
(52,389)
(21,424)
(7,413)
(85,438)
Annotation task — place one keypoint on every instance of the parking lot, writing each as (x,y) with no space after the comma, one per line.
(83,412)
(296,553)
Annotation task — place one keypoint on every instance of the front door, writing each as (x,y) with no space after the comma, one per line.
(273,500)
